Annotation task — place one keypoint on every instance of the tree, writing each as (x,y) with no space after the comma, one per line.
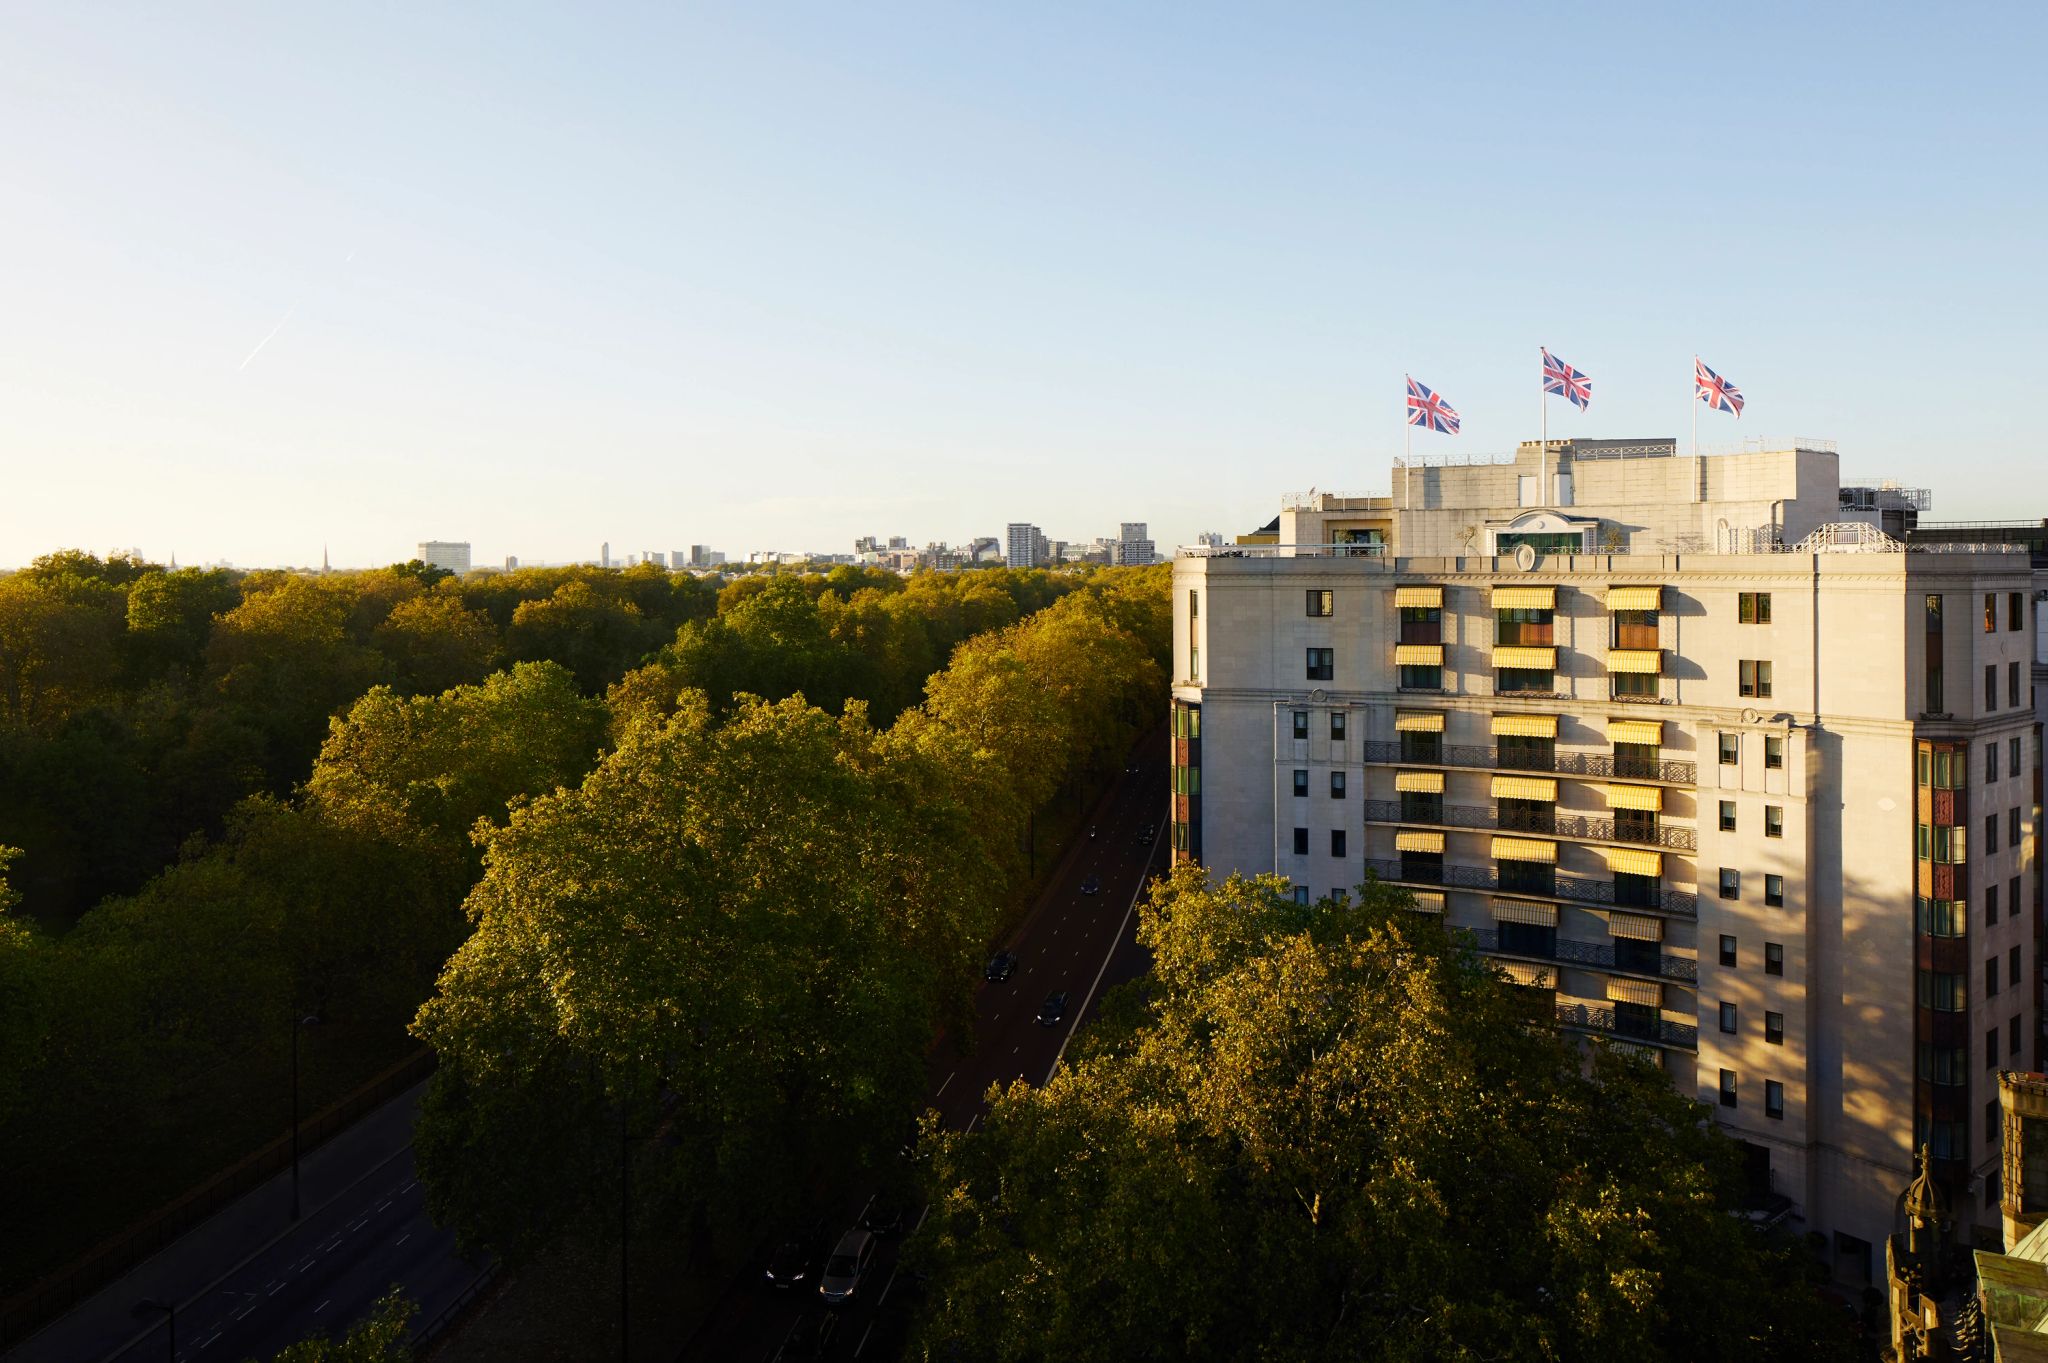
(595,637)
(284,661)
(1329,1132)
(170,616)
(379,1337)
(58,636)
(433,643)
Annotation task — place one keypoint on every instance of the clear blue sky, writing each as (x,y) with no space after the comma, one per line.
(781,275)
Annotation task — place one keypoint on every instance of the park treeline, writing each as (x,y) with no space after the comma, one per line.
(259,806)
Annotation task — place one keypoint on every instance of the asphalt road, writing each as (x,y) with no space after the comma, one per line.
(1080,945)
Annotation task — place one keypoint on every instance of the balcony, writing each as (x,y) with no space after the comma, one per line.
(1592,956)
(1564,764)
(1570,888)
(1588,1018)
(1582,827)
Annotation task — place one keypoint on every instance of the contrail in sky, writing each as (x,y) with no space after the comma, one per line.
(266,340)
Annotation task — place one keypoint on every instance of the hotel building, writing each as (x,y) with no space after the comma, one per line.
(1690,747)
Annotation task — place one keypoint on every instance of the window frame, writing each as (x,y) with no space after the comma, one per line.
(1753,608)
(1774,958)
(1321,664)
(1321,603)
(1774,1100)
(1753,678)
(1731,883)
(1337,785)
(1774,891)
(1774,821)
(1730,951)
(1727,816)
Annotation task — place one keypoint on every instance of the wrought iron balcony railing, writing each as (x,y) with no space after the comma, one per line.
(1657,1032)
(1575,889)
(1596,956)
(1563,764)
(1589,828)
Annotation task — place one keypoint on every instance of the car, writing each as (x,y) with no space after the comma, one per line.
(1091,886)
(1146,834)
(810,1338)
(795,1257)
(1052,1010)
(1001,966)
(851,1259)
(883,1215)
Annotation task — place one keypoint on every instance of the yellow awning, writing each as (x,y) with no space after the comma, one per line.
(1418,722)
(1525,726)
(1537,659)
(1428,901)
(1418,655)
(1413,840)
(1525,849)
(1635,991)
(1420,782)
(1633,659)
(1649,731)
(1635,797)
(1635,598)
(1637,927)
(1633,861)
(1530,976)
(1524,911)
(1525,788)
(1418,597)
(1525,598)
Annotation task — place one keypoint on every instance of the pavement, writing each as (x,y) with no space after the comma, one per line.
(1073,943)
(249,1280)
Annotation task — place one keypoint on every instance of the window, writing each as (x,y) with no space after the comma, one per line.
(1922,764)
(1417,747)
(1990,977)
(1950,769)
(2012,756)
(1336,785)
(1340,895)
(1991,1049)
(1727,816)
(1194,661)
(1755,677)
(1943,991)
(1991,686)
(1301,894)
(1933,656)
(2014,606)
(1301,724)
(2012,897)
(1336,842)
(1731,883)
(1633,685)
(1727,1088)
(1990,762)
(1422,806)
(1321,603)
(1336,726)
(1774,958)
(1950,845)
(1774,821)
(1774,1098)
(1774,1028)
(2012,683)
(1728,1018)
(2012,1035)
(1528,939)
(1753,608)
(1520,752)
(1923,842)
(1991,612)
(2012,826)
(1990,905)
(1948,1065)
(1990,834)
(1731,749)
(1774,891)
(1421,677)
(1194,604)
(1301,842)
(2012,967)
(1774,753)
(1522,627)
(1727,950)
(1941,917)
(1322,664)
(1300,784)
(1991,1122)
(1422,625)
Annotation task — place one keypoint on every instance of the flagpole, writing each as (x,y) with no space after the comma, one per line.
(1695,408)
(1543,440)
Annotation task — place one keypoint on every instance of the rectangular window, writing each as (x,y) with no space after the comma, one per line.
(1990,762)
(1755,678)
(1731,749)
(1923,842)
(1727,950)
(1301,894)
(2012,1035)
(2012,756)
(2012,826)
(1728,1018)
(1727,816)
(1990,906)
(1727,1088)
(1774,821)
(2012,683)
(1422,625)
(1421,677)
(1950,769)
(1991,686)
(1321,604)
(2012,897)
(1731,883)
(1990,977)
(1774,958)
(1774,1028)
(1301,724)
(1336,842)
(1949,1065)
(1194,604)
(1942,917)
(1951,845)
(1633,685)
(1991,1122)
(2014,607)
(1774,1098)
(1301,842)
(1336,726)
(1990,834)
(1944,992)
(2012,967)
(1421,806)
(1923,767)
(1774,752)
(1194,661)
(1991,1049)
(1774,891)
(1753,608)
(1417,747)
(1933,656)
(1336,785)
(1322,664)
(1991,612)
(1300,784)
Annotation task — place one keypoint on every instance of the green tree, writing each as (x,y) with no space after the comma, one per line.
(58,640)
(1329,1132)
(379,1337)
(597,638)
(170,616)
(433,642)
(284,662)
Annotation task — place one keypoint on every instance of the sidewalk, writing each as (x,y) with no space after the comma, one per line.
(105,1321)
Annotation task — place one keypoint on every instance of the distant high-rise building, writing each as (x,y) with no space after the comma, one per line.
(1131,546)
(604,554)
(511,562)
(1023,545)
(1209,539)
(866,544)
(678,558)
(898,542)
(450,554)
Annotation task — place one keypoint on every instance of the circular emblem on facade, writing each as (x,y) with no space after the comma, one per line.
(1318,695)
(1525,556)
(1752,716)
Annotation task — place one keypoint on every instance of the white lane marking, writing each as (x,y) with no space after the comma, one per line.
(238,1315)
(382,1205)
(927,1211)
(864,1207)
(322,1306)
(403,1238)
(277,1288)
(891,1283)
(949,1079)
(1099,972)
(207,1343)
(863,1339)
(971,1121)
(357,1224)
(410,1185)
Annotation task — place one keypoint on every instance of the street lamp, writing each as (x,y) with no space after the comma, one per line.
(310,1020)
(169,1309)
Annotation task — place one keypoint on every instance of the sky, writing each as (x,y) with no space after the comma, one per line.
(280,277)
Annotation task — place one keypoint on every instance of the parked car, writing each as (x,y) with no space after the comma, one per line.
(1001,966)
(851,1259)
(810,1338)
(1052,1010)
(795,1258)
(1091,886)
(883,1216)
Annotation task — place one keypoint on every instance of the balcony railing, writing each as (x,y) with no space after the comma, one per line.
(1593,956)
(1576,889)
(1663,1032)
(1564,763)
(1557,825)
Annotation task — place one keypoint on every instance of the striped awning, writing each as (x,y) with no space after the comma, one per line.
(1525,849)
(1418,722)
(1536,659)
(1635,991)
(1428,901)
(1417,840)
(1635,598)
(1649,660)
(1525,598)
(1531,976)
(1525,726)
(1637,927)
(1635,797)
(1633,861)
(1524,911)
(1405,597)
(1419,782)
(1525,788)
(1418,655)
(1647,731)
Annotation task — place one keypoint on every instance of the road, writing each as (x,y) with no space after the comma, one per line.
(1073,943)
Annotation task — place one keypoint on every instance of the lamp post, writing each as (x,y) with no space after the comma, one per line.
(169,1309)
(310,1020)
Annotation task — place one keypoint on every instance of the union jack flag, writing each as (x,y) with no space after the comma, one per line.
(1428,410)
(1714,390)
(1567,382)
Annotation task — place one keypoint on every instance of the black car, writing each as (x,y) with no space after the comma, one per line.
(811,1337)
(1091,886)
(1001,966)
(1052,1010)
(795,1260)
(883,1216)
